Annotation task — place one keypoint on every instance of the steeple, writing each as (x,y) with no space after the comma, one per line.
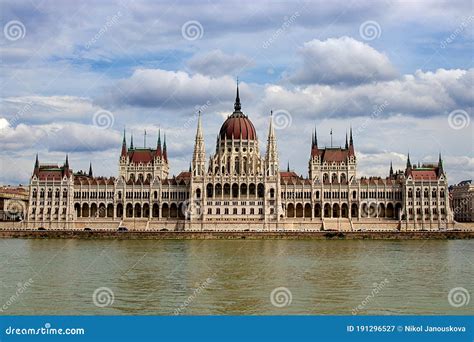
(90,169)
(351,143)
(36,169)
(124,145)
(199,154)
(237,106)
(347,145)
(440,165)
(408,161)
(314,146)
(271,157)
(288,167)
(391,170)
(131,141)
(158,144)
(165,152)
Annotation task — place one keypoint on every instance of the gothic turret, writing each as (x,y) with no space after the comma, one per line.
(271,158)
(199,154)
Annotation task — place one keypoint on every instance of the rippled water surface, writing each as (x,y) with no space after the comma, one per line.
(234,277)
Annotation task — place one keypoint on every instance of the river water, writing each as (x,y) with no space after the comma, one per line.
(248,277)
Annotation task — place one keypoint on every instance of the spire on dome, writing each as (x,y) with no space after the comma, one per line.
(237,106)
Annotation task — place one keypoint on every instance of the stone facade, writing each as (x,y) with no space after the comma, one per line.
(462,196)
(239,189)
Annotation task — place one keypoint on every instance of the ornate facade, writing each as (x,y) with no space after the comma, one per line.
(238,188)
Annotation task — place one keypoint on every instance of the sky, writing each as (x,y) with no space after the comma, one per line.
(75,74)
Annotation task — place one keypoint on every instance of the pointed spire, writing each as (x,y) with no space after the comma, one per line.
(189,167)
(288,167)
(408,161)
(90,169)
(440,165)
(347,145)
(124,145)
(66,163)
(312,140)
(391,169)
(315,137)
(131,141)
(165,152)
(36,169)
(158,144)
(237,106)
(351,143)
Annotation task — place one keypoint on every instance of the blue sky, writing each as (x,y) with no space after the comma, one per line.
(400,72)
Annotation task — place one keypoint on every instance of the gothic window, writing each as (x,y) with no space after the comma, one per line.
(325,178)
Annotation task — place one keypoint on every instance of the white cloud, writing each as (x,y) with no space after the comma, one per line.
(171,89)
(217,63)
(46,109)
(341,61)
(422,94)
(64,137)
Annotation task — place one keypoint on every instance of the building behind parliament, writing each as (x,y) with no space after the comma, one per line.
(238,188)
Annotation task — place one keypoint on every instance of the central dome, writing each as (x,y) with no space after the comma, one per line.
(238,125)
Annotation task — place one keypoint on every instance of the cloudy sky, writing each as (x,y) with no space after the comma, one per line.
(74,74)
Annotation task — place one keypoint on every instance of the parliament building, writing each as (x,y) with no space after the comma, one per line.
(239,188)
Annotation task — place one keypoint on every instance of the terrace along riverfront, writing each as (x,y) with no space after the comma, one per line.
(190,277)
(237,189)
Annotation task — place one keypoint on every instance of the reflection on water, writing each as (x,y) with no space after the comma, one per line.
(234,277)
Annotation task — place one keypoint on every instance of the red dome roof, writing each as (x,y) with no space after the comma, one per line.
(236,126)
